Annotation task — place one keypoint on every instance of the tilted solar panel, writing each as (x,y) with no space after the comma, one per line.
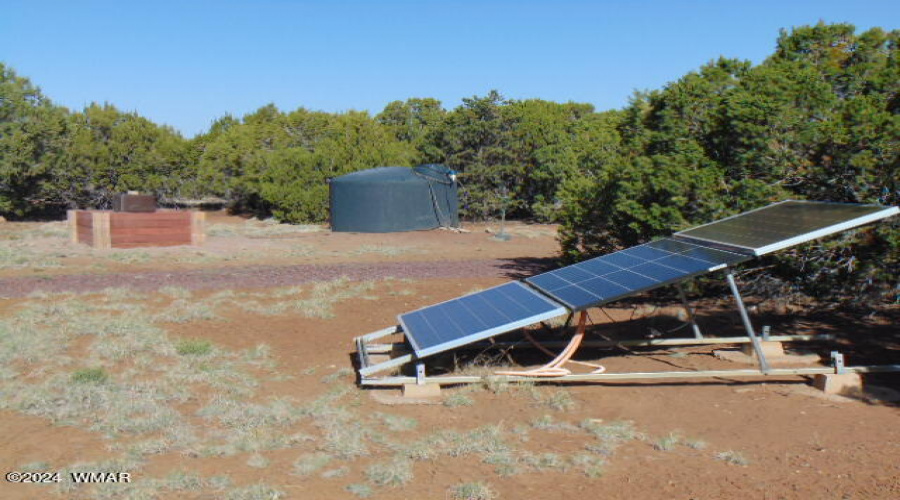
(613,276)
(786,224)
(476,317)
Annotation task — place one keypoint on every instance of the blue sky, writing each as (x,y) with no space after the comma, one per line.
(187,63)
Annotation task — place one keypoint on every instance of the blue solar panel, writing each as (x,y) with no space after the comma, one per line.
(785,224)
(475,317)
(634,270)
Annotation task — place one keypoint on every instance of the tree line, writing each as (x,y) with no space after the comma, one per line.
(818,119)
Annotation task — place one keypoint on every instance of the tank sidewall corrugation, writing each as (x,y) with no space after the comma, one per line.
(390,201)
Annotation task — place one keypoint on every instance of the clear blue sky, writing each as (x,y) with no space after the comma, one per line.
(187,63)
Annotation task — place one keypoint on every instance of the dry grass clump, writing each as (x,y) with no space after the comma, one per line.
(257,491)
(667,442)
(258,461)
(394,473)
(472,491)
(458,399)
(732,457)
(548,423)
(589,464)
(609,436)
(396,423)
(186,311)
(697,444)
(309,463)
(558,399)
(251,426)
(360,490)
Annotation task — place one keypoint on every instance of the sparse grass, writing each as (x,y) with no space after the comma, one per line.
(481,441)
(129,257)
(157,376)
(90,376)
(396,423)
(360,490)
(194,347)
(266,228)
(176,292)
(255,492)
(609,436)
(548,423)
(334,473)
(318,303)
(35,467)
(697,444)
(310,463)
(393,474)
(668,442)
(261,354)
(186,311)
(258,461)
(497,385)
(346,441)
(560,400)
(732,457)
(21,257)
(383,250)
(253,427)
(458,399)
(472,491)
(338,375)
(507,463)
(544,461)
(543,422)
(591,465)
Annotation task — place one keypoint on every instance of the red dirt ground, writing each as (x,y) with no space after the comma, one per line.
(800,444)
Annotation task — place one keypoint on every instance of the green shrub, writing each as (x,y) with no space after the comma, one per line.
(90,376)
(193,347)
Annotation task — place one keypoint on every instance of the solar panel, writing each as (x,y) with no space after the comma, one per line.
(786,224)
(476,317)
(634,270)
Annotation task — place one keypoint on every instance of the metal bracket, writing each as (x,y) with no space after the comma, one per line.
(763,363)
(690,312)
(420,373)
(837,360)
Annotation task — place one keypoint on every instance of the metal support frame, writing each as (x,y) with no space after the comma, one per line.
(611,377)
(837,360)
(690,312)
(763,363)
(366,348)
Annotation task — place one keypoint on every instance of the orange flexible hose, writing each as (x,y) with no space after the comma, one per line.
(555,367)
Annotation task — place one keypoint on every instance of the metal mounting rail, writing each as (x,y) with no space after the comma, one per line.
(609,377)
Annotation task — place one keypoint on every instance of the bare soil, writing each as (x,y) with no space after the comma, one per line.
(798,443)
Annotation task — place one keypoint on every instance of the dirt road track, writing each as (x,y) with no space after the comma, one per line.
(271,276)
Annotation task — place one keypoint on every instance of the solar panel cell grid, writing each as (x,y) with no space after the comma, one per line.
(613,276)
(474,317)
(786,224)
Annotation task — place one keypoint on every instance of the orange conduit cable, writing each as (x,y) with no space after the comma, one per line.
(555,367)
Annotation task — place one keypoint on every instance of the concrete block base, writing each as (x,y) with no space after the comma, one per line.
(839,383)
(769,349)
(417,391)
